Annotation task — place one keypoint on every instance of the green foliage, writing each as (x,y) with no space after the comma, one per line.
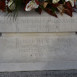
(18,4)
(63,1)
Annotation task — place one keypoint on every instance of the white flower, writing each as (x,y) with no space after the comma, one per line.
(55,1)
(11,5)
(31,5)
(71,1)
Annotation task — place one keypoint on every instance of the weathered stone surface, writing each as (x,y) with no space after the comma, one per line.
(33,22)
(42,73)
(38,51)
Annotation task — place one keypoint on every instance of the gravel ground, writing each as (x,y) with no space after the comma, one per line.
(62,73)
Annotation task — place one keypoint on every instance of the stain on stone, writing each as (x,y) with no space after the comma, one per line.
(0,34)
(76,33)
